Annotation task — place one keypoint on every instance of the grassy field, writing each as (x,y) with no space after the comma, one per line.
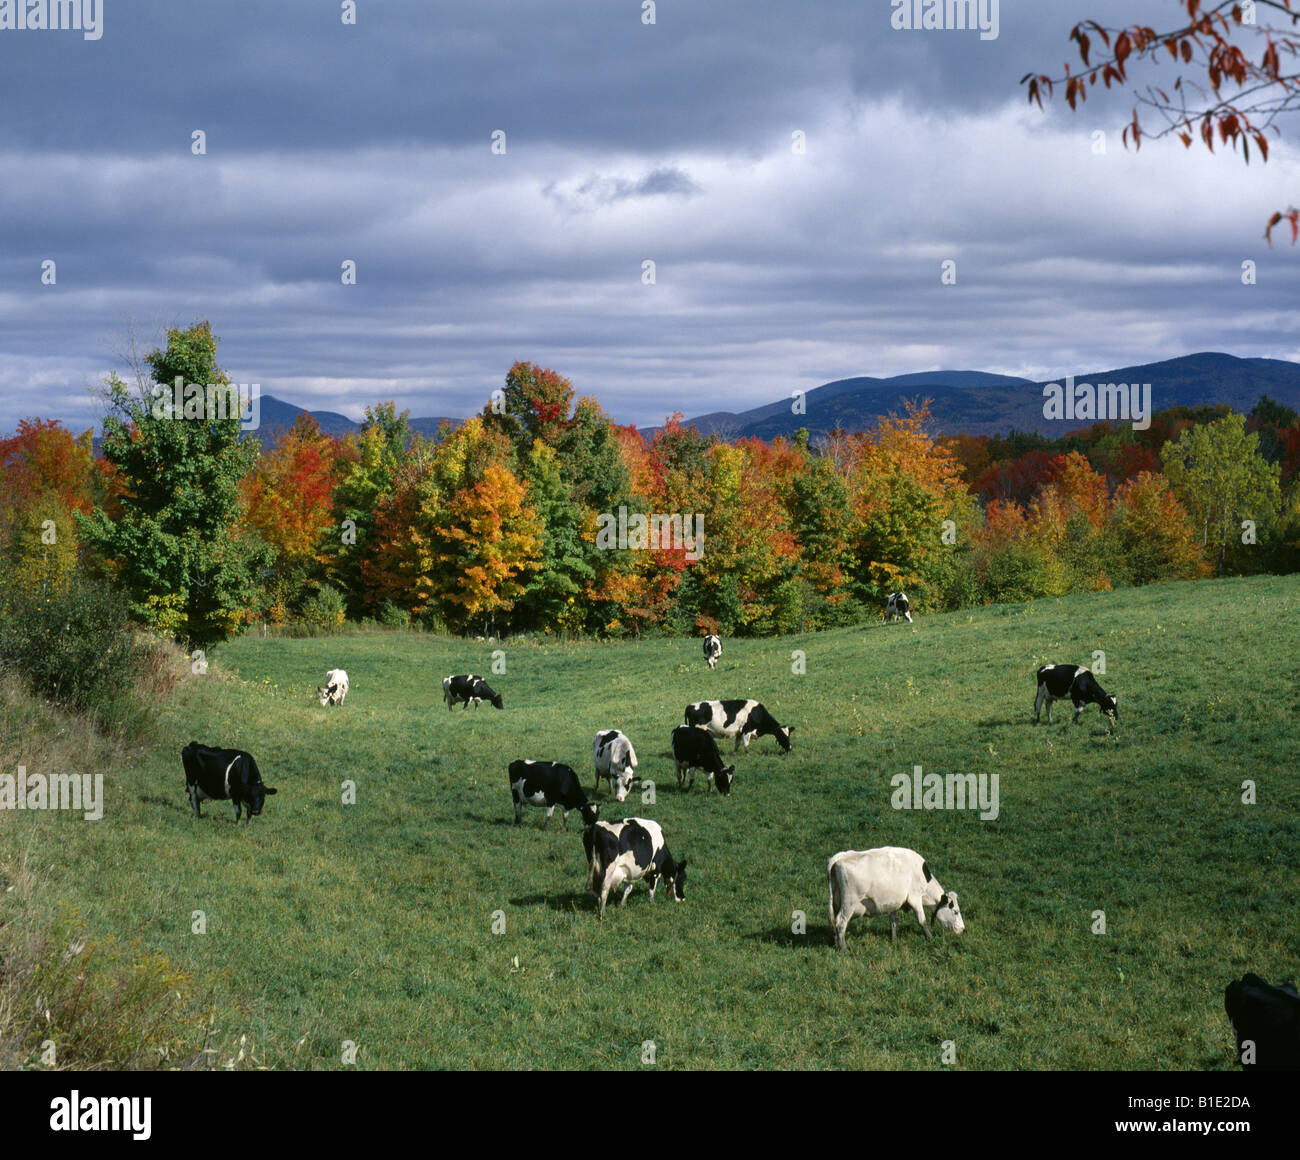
(373,922)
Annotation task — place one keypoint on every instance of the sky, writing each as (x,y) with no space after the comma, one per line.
(776,268)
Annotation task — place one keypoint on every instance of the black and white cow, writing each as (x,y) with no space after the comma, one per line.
(627,851)
(615,761)
(223,775)
(738,719)
(467,688)
(694,748)
(712,650)
(334,689)
(1056,682)
(549,784)
(1266,1020)
(896,606)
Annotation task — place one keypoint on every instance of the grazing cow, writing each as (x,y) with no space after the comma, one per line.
(467,688)
(615,761)
(896,606)
(883,881)
(738,719)
(549,784)
(1266,1020)
(336,688)
(712,650)
(224,775)
(626,851)
(694,749)
(1055,682)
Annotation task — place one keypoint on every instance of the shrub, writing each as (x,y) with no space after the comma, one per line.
(324,609)
(75,645)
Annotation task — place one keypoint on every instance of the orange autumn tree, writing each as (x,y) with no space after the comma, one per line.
(289,502)
(485,537)
(46,474)
(905,484)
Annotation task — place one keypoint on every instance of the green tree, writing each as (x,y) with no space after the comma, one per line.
(1220,478)
(368,471)
(552,597)
(175,546)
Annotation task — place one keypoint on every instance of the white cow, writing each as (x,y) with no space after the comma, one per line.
(712,650)
(335,689)
(883,881)
(615,761)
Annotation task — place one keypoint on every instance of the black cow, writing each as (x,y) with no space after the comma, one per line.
(694,749)
(549,784)
(1056,682)
(1266,1020)
(627,851)
(739,719)
(224,775)
(467,688)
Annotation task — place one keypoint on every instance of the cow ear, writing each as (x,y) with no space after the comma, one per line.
(269,789)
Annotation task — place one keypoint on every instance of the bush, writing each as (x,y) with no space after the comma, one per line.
(390,616)
(75,645)
(324,609)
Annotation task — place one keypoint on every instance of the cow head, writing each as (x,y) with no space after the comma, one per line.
(323,695)
(590,812)
(622,781)
(783,737)
(949,914)
(679,881)
(723,779)
(257,795)
(496,700)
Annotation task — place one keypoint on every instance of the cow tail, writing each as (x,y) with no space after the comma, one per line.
(834,901)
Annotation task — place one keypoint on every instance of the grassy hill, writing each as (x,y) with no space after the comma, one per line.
(373,922)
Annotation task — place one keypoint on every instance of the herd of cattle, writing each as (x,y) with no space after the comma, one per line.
(885,880)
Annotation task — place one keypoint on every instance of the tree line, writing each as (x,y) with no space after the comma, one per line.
(494,524)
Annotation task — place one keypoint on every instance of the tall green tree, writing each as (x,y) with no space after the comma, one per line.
(1218,474)
(175,545)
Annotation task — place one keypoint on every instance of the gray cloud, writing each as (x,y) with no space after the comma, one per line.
(673,143)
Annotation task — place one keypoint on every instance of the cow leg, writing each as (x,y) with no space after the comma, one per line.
(1038,702)
(893,927)
(919,910)
(838,927)
(550,810)
(652,881)
(1077,710)
(564,818)
(628,890)
(519,812)
(194,799)
(606,885)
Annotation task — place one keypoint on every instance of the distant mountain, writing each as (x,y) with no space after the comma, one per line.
(277,416)
(976,403)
